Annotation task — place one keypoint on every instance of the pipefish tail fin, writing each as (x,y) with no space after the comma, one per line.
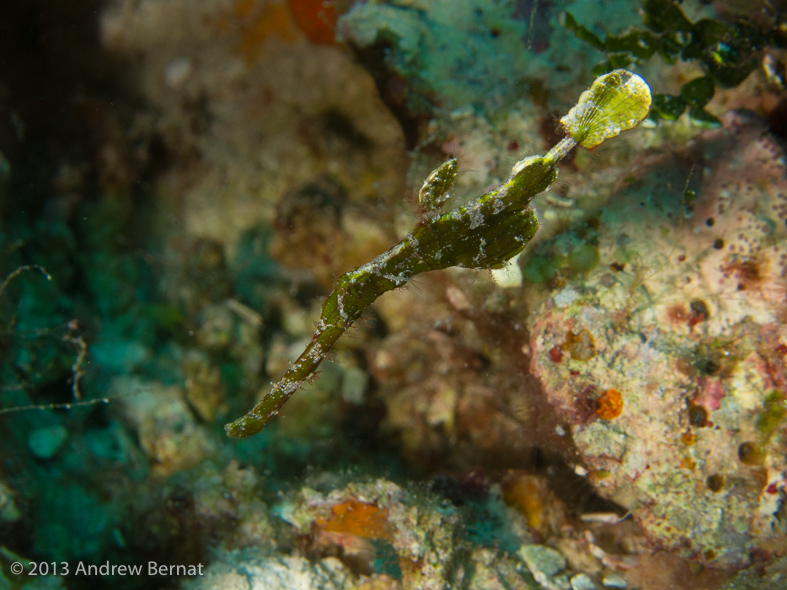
(614,103)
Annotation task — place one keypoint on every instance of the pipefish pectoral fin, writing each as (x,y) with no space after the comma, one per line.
(434,192)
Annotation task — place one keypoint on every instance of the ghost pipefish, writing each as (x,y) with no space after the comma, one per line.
(483,234)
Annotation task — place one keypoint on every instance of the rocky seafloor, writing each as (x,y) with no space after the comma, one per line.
(181,183)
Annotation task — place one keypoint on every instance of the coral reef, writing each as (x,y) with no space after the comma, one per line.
(182,182)
(683,323)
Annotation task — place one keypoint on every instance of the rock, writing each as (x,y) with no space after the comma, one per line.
(614,581)
(686,322)
(45,442)
(543,562)
(582,582)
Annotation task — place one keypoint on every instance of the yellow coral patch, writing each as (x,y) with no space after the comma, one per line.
(610,404)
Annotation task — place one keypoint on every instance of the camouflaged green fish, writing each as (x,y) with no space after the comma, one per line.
(482,234)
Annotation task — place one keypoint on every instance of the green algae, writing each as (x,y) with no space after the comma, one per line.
(727,53)
(541,269)
(773,413)
(583,258)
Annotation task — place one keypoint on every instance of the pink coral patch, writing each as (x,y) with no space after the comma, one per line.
(709,394)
